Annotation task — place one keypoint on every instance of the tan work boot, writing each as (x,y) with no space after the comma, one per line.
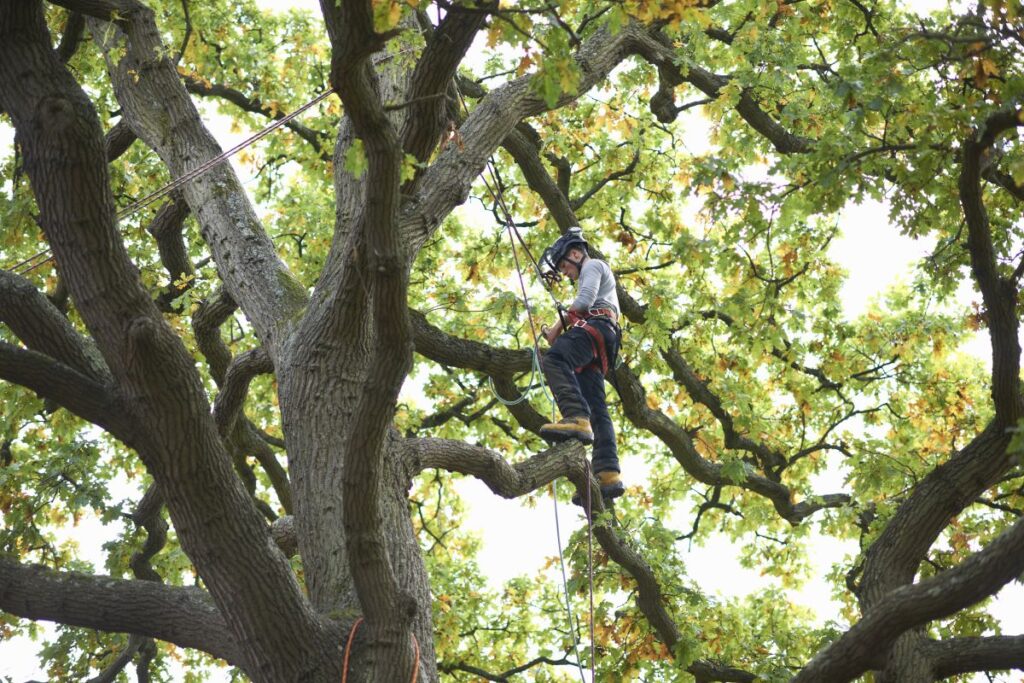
(611,487)
(568,428)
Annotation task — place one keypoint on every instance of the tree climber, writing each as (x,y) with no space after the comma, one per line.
(580,359)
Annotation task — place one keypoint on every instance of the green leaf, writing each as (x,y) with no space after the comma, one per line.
(355,159)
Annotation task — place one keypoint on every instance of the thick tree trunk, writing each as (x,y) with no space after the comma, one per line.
(217,524)
(319,391)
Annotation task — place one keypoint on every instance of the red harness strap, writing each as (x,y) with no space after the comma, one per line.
(596,339)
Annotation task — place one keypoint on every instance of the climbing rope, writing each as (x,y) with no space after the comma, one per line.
(498,196)
(535,360)
(38,260)
(33,263)
(348,651)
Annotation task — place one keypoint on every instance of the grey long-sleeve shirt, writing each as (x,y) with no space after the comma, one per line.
(596,287)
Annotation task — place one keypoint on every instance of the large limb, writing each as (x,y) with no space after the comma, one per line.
(159,110)
(57,128)
(185,616)
(375,270)
(565,460)
(965,655)
(893,559)
(866,644)
(91,400)
(43,328)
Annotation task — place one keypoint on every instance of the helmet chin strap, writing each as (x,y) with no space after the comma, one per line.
(577,264)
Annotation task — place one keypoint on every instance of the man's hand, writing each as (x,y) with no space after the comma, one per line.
(551,333)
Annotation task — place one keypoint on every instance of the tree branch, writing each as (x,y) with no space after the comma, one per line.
(43,328)
(118,139)
(434,71)
(701,393)
(505,676)
(680,443)
(523,144)
(82,395)
(998,293)
(656,48)
(166,229)
(446,349)
(235,386)
(74,29)
(254,105)
(611,177)
(965,655)
(374,282)
(148,515)
(447,182)
(893,559)
(864,646)
(109,675)
(184,616)
(503,478)
(214,312)
(1005,181)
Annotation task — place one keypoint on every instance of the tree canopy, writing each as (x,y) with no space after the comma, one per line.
(217,373)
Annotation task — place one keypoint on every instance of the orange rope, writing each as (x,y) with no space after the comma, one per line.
(348,651)
(416,662)
(348,648)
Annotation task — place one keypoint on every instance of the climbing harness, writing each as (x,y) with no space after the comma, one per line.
(348,651)
(601,360)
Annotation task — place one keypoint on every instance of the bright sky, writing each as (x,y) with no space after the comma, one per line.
(518,539)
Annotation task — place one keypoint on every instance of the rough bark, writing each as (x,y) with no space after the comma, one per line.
(865,645)
(220,530)
(892,561)
(43,328)
(159,110)
(185,616)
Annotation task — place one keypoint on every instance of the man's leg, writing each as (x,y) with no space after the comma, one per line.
(570,351)
(605,461)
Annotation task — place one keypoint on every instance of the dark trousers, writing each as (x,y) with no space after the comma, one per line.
(581,394)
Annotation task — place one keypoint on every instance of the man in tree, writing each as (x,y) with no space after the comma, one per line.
(273,436)
(584,342)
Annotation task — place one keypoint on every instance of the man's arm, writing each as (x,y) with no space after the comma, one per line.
(551,333)
(587,287)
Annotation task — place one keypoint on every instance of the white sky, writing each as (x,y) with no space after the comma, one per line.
(517,539)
